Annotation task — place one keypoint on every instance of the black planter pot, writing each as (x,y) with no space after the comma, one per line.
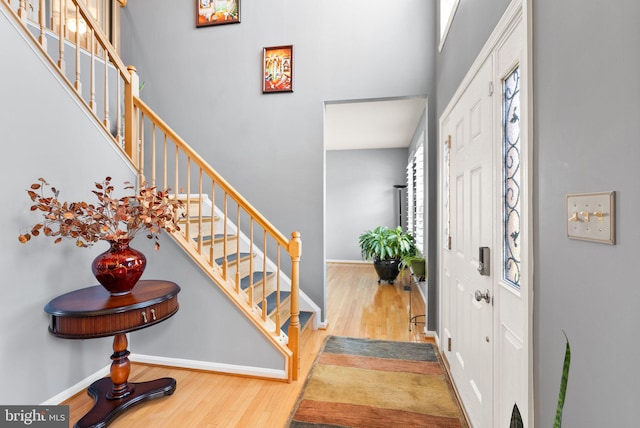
(387,270)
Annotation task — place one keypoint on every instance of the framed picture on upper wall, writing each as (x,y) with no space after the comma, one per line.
(277,69)
(217,12)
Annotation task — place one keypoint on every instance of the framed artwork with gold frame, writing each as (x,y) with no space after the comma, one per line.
(277,69)
(217,12)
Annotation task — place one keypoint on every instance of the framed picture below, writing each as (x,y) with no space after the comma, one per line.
(277,69)
(217,12)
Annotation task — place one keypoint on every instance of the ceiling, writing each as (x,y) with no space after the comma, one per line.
(372,124)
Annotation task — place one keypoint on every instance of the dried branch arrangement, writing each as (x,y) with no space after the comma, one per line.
(111,219)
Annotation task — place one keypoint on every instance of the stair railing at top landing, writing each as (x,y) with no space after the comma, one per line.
(92,68)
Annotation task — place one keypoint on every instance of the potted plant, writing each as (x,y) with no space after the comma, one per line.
(386,247)
(416,262)
(114,220)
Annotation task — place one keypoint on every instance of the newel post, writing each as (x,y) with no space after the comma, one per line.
(295,251)
(131,89)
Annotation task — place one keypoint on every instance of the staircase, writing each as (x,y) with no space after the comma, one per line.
(255,265)
(247,269)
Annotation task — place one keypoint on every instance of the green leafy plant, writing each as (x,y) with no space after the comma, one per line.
(516,419)
(563,383)
(416,262)
(383,243)
(111,219)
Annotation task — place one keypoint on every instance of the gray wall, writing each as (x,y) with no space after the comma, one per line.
(206,83)
(46,133)
(587,106)
(50,136)
(361,196)
(586,127)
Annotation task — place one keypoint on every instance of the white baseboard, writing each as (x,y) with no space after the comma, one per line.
(170,362)
(209,366)
(430,333)
(350,262)
(323,325)
(78,387)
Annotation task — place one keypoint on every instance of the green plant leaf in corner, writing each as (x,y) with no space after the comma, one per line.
(563,383)
(516,418)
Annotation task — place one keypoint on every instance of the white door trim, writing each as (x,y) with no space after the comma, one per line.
(518,12)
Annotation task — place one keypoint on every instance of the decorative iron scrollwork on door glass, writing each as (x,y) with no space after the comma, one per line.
(512,176)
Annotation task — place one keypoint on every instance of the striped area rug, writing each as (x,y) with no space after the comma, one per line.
(377,384)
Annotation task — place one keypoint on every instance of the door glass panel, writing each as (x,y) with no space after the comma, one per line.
(512,176)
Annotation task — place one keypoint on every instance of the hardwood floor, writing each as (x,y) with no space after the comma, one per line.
(356,306)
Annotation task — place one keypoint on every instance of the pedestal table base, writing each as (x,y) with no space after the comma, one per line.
(104,409)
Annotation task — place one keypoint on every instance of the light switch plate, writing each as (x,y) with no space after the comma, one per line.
(591,217)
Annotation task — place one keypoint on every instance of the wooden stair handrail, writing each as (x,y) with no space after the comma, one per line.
(254,213)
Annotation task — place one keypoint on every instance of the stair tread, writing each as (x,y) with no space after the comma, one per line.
(217,237)
(304,319)
(271,300)
(232,257)
(197,217)
(257,277)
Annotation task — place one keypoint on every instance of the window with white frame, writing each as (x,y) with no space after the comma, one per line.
(447,11)
(415,196)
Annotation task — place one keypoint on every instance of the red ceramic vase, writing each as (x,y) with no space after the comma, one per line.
(119,268)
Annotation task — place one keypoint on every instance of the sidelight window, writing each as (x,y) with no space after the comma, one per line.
(512,176)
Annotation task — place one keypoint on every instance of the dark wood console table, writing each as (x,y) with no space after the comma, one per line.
(92,312)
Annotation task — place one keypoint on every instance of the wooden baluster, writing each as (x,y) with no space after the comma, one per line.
(153,154)
(61,26)
(55,16)
(140,148)
(264,277)
(188,233)
(213,213)
(118,135)
(78,83)
(224,239)
(251,284)
(42,38)
(295,251)
(164,164)
(22,10)
(131,142)
(237,247)
(92,71)
(175,186)
(200,213)
(107,123)
(278,271)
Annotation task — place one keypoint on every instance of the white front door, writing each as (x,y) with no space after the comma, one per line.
(471,227)
(485,323)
